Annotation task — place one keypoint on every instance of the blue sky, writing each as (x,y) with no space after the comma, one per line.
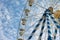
(10,17)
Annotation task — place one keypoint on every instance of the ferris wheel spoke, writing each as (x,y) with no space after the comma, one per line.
(41,33)
(55,28)
(31,26)
(40,6)
(56,4)
(35,23)
(46,1)
(34,15)
(55,22)
(37,4)
(35,29)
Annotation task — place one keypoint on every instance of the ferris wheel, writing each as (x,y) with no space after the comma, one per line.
(29,19)
(39,20)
